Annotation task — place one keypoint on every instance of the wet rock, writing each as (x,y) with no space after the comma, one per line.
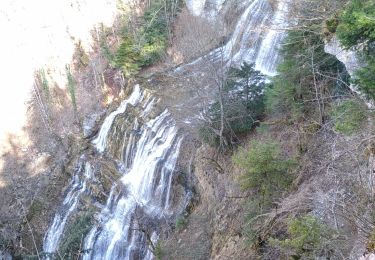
(91,124)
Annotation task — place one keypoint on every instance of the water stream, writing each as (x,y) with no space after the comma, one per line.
(77,186)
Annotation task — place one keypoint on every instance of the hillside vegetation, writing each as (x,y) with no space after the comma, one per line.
(306,174)
(278,168)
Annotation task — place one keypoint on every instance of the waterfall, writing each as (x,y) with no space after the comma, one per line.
(195,6)
(77,186)
(150,151)
(145,186)
(101,139)
(268,55)
(256,39)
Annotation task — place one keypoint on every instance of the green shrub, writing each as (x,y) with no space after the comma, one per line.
(158,251)
(148,44)
(365,79)
(348,116)
(73,236)
(357,26)
(154,33)
(181,223)
(308,238)
(35,209)
(208,136)
(71,87)
(332,24)
(265,167)
(127,57)
(357,23)
(371,242)
(41,75)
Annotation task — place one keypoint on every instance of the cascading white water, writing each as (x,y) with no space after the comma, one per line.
(197,7)
(268,55)
(77,186)
(257,16)
(150,153)
(256,39)
(146,185)
(100,141)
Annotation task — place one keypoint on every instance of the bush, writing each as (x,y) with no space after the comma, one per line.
(365,79)
(308,238)
(357,23)
(348,116)
(155,33)
(181,223)
(158,252)
(71,87)
(148,44)
(73,236)
(265,168)
(357,26)
(268,173)
(371,242)
(332,24)
(127,57)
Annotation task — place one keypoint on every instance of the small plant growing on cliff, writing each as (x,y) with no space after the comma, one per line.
(357,28)
(365,78)
(307,237)
(181,223)
(71,87)
(70,247)
(332,24)
(265,167)
(349,116)
(158,251)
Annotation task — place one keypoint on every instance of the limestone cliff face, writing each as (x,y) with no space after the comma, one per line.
(214,226)
(350,58)
(347,56)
